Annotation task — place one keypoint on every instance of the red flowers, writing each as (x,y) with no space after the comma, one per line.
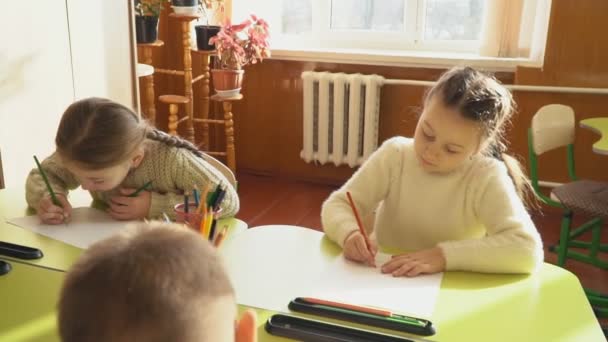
(242,44)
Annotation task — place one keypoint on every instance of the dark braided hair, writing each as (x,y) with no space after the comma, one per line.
(172,140)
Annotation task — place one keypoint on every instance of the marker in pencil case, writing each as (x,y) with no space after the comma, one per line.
(196,197)
(219,199)
(364,315)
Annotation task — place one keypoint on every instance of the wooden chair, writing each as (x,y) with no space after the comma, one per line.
(553,126)
(174,101)
(145,73)
(228,123)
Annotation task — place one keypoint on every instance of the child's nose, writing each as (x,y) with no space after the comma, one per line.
(432,151)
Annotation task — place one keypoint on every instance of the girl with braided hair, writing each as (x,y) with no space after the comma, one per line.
(105,148)
(450,196)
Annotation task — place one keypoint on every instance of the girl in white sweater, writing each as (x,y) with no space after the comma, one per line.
(449,196)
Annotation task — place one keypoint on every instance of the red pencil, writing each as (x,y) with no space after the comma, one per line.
(357,308)
(359,223)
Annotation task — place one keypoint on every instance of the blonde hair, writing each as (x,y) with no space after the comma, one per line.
(481,98)
(149,283)
(99,133)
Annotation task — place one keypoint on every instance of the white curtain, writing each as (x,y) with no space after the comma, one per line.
(515,28)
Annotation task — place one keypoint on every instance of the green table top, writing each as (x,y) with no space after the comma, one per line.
(548,306)
(57,255)
(599,125)
(29,298)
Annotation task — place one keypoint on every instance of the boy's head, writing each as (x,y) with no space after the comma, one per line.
(152,282)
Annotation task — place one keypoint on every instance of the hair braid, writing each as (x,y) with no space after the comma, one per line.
(172,140)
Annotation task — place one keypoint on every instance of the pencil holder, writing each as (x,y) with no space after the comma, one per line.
(192,218)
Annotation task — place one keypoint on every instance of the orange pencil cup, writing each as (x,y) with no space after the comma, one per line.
(192,218)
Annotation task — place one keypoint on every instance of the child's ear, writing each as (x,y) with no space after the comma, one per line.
(247,327)
(137,157)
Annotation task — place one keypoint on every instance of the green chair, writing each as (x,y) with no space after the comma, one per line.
(553,126)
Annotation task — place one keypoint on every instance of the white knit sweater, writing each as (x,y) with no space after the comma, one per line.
(473,213)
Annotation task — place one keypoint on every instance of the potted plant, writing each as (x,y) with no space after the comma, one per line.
(185,7)
(146,20)
(237,46)
(213,13)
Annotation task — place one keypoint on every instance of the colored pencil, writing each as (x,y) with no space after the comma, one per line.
(359,222)
(220,237)
(140,189)
(48,185)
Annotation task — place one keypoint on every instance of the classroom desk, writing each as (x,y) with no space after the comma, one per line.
(548,306)
(600,126)
(29,298)
(57,255)
(29,292)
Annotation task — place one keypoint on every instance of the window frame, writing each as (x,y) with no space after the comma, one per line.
(411,38)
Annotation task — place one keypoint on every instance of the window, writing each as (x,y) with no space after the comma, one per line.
(496,34)
(432,25)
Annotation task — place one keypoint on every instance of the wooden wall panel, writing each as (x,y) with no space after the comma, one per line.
(268,121)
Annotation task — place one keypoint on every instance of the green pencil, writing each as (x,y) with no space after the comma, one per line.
(48,185)
(142,188)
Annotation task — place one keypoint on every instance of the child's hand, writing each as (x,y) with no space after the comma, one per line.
(49,213)
(124,207)
(412,264)
(356,250)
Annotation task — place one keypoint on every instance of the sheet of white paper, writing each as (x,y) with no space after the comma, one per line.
(284,262)
(86,226)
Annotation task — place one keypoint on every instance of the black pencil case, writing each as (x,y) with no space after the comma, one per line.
(304,329)
(300,305)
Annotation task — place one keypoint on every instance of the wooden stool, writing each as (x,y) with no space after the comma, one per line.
(228,128)
(174,101)
(146,73)
(148,84)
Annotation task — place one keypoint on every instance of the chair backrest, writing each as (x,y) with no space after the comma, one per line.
(223,169)
(552,127)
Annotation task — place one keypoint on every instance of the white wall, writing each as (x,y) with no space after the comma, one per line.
(40,75)
(35,81)
(101,49)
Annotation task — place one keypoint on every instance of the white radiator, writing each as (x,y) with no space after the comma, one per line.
(340,117)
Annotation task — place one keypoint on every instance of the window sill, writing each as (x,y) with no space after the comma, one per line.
(420,59)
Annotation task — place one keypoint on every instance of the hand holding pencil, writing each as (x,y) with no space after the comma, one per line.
(51,213)
(357,246)
(52,208)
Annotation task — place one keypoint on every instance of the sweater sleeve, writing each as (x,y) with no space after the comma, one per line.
(60,179)
(512,243)
(368,186)
(186,171)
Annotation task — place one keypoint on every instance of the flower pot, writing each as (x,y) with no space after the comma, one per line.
(184,3)
(185,10)
(146,29)
(227,81)
(203,34)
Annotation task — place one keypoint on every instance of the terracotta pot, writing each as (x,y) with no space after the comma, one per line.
(224,79)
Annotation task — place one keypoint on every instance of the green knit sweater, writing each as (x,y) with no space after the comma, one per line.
(172,171)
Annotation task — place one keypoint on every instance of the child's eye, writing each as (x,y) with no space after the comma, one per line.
(450,151)
(428,136)
(98,182)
